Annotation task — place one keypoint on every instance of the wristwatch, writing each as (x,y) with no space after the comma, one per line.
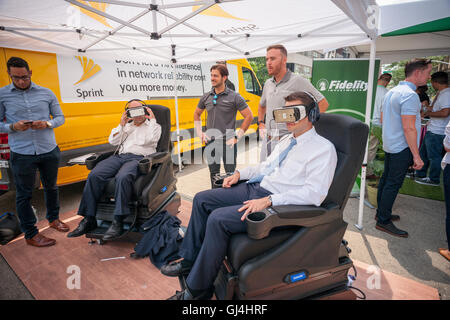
(270,199)
(49,124)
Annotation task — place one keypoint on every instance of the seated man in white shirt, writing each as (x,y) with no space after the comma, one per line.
(134,138)
(299,171)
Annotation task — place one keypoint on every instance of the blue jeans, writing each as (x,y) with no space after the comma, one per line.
(431,154)
(24,169)
(214,219)
(395,167)
(447,201)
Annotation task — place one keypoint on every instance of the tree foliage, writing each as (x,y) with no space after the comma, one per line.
(397,69)
(259,66)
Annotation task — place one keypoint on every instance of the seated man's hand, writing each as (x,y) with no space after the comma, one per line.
(254,206)
(150,113)
(229,181)
(124,119)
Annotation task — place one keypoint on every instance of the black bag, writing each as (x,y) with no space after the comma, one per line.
(9,227)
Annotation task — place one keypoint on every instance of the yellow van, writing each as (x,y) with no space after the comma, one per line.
(93,93)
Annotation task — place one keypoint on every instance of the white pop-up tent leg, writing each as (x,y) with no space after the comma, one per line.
(359,225)
(174,65)
(176,115)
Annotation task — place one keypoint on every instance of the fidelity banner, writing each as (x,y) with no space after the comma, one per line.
(343,82)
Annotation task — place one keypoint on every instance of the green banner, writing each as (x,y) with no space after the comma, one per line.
(343,82)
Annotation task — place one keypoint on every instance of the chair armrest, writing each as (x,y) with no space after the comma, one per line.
(297,211)
(145,164)
(92,161)
(259,224)
(158,157)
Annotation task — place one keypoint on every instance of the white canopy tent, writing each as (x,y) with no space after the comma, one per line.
(204,30)
(200,30)
(422,30)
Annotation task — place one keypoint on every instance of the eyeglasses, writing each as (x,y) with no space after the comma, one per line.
(24,78)
(215,99)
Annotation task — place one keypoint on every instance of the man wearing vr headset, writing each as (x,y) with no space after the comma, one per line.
(135,138)
(282,83)
(299,171)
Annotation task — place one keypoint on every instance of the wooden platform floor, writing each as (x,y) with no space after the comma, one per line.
(48,273)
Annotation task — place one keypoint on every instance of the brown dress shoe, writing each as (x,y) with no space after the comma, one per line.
(445,253)
(40,241)
(59,225)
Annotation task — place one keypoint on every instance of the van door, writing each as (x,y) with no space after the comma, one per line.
(5,172)
(252,93)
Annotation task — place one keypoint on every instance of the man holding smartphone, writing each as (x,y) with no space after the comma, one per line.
(31,113)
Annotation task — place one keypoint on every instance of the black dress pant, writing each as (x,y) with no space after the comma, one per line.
(217,151)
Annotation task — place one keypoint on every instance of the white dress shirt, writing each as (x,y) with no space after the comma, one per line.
(141,140)
(304,176)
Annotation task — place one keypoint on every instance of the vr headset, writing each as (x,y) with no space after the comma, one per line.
(136,111)
(297,112)
(289,114)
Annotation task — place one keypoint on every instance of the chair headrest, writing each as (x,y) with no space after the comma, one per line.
(162,115)
(349,137)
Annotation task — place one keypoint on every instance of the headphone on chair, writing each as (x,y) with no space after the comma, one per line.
(314,111)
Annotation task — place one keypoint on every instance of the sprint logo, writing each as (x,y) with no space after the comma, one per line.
(89,68)
(216,11)
(96,5)
(341,85)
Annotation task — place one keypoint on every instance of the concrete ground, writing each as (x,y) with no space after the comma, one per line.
(416,257)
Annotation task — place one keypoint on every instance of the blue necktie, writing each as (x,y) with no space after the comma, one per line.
(274,164)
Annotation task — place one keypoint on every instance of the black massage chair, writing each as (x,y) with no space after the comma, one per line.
(154,189)
(298,252)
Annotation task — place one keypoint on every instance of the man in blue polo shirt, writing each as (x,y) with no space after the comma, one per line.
(401,127)
(27,108)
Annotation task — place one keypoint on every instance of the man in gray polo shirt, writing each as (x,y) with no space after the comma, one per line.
(221,104)
(282,83)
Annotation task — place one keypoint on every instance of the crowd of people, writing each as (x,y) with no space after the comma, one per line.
(399,114)
(277,180)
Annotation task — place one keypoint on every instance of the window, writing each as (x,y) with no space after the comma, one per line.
(250,82)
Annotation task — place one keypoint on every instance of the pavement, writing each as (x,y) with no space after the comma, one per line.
(416,257)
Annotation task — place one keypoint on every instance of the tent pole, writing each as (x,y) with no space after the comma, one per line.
(40,39)
(108,16)
(174,65)
(367,121)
